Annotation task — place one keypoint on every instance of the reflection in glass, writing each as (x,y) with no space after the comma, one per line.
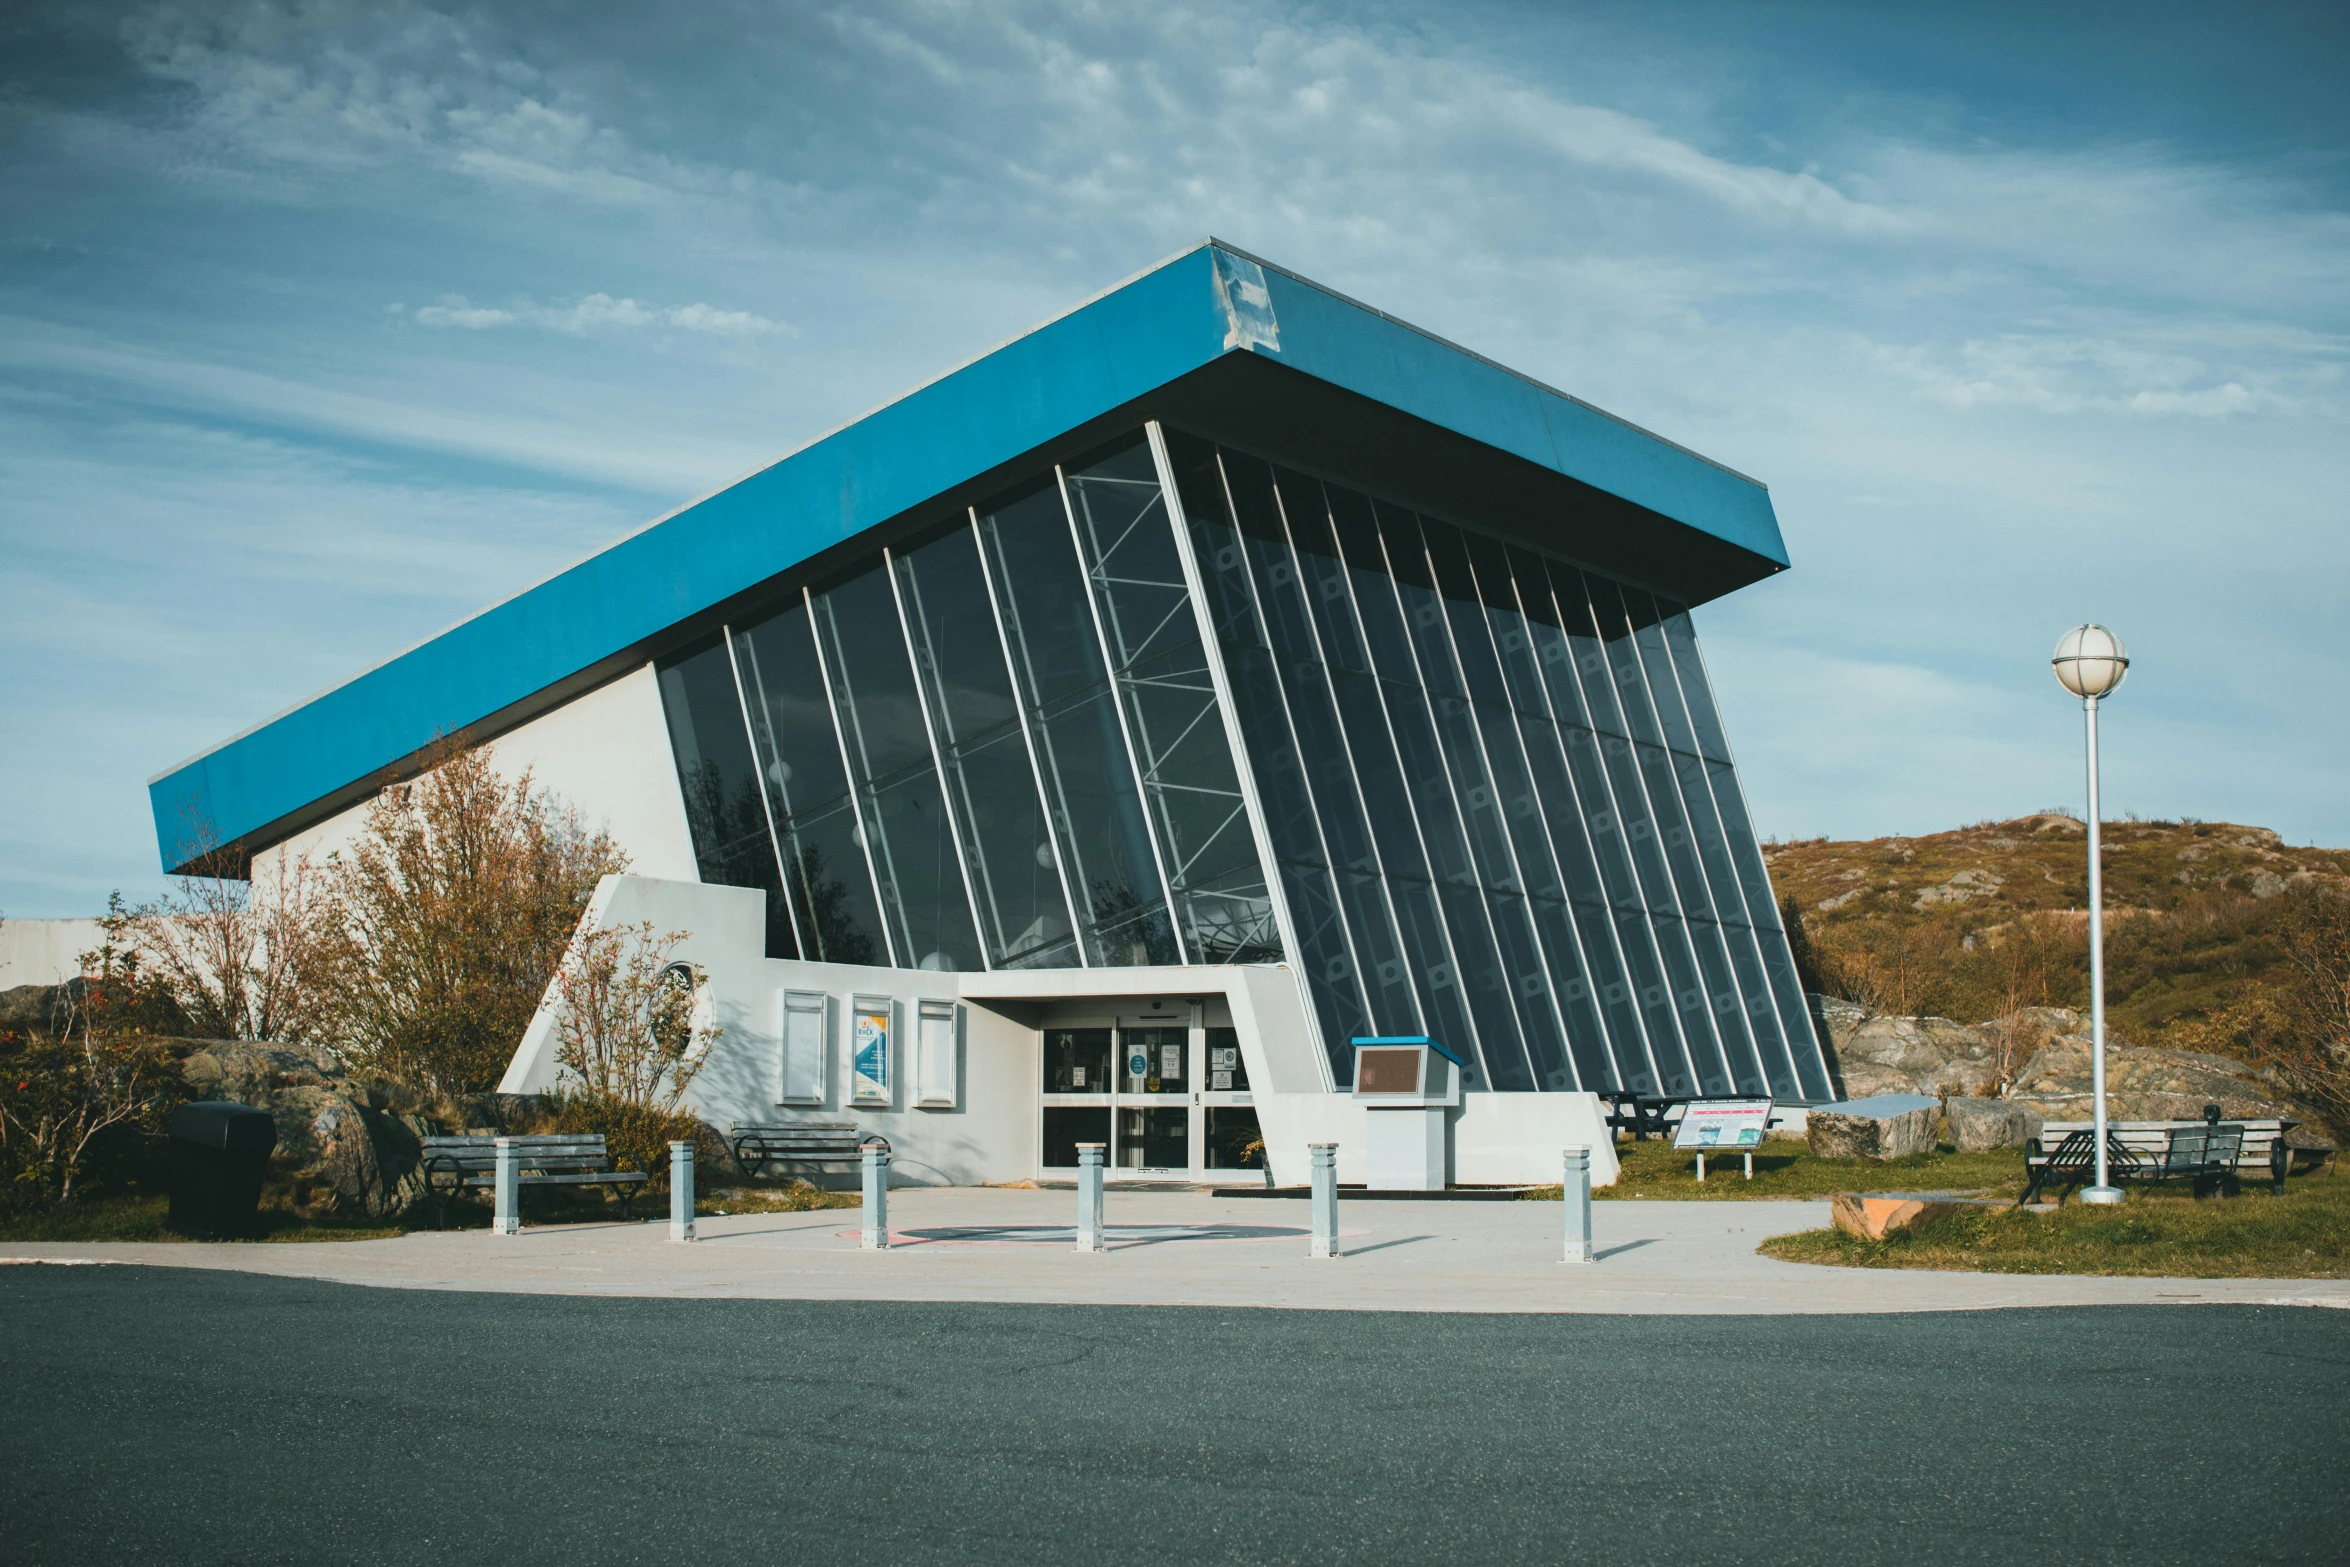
(983,756)
(1126,537)
(1092,800)
(1496,787)
(924,904)
(720,781)
(807,793)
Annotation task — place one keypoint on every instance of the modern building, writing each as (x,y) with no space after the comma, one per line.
(1094,742)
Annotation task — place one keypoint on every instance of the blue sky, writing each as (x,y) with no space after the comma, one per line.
(322,326)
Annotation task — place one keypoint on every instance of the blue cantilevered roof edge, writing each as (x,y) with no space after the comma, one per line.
(1154,328)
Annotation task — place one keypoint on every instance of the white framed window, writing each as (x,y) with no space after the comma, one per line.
(807,1048)
(938,1055)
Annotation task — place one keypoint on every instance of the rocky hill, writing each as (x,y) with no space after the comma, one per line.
(1988,920)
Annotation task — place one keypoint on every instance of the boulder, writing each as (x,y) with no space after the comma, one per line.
(362,1141)
(1874,1215)
(1888,1126)
(1981,1125)
(2143,1083)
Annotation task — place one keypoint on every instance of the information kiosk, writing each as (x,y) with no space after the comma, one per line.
(1406,1083)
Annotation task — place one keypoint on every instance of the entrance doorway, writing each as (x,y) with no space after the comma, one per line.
(1170,1099)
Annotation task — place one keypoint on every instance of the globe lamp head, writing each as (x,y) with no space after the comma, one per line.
(2090,661)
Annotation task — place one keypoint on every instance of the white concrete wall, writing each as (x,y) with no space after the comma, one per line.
(1495,1139)
(44,952)
(605,753)
(993,1132)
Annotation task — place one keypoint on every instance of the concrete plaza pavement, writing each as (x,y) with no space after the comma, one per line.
(1013,1246)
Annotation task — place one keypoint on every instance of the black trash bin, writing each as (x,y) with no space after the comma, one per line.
(219,1154)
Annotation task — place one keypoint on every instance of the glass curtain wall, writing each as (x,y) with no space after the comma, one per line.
(996,746)
(1498,796)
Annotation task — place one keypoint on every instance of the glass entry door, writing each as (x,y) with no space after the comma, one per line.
(1154,1101)
(1168,1099)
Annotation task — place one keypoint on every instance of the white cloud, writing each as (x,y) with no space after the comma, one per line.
(598,312)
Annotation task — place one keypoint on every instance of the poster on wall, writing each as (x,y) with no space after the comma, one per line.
(870,1021)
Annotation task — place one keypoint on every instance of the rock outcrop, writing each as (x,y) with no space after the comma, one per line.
(2143,1083)
(362,1141)
(2047,1052)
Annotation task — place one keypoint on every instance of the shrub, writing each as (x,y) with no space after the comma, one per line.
(448,918)
(95,1075)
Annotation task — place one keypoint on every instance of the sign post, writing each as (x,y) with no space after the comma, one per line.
(1723,1126)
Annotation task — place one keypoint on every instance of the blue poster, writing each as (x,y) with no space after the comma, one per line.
(869,1052)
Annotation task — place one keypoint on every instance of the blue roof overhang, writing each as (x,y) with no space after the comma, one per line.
(1212,339)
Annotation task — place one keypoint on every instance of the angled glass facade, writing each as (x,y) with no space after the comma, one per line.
(1172,702)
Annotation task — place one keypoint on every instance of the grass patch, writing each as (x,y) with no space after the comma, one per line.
(1653,1170)
(795,1197)
(141,1219)
(2305,1234)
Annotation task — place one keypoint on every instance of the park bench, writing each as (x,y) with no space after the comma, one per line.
(2211,1152)
(801,1142)
(452,1164)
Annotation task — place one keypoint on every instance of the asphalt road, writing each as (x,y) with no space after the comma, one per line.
(152,1415)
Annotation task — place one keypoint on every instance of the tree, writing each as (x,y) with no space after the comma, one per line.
(449,916)
(2310,1047)
(240,957)
(95,1069)
(627,1027)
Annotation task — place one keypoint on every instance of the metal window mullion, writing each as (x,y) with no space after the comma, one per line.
(1243,765)
(1729,852)
(1690,808)
(1508,837)
(1672,880)
(1581,825)
(1607,781)
(742,699)
(850,771)
(1346,750)
(1444,764)
(946,794)
(1150,829)
(1052,835)
(1346,928)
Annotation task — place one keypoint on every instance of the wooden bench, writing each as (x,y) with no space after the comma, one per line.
(801,1142)
(452,1164)
(2213,1153)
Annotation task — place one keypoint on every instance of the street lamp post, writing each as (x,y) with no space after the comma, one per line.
(2090,663)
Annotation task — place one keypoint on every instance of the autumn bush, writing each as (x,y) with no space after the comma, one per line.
(444,922)
(91,1080)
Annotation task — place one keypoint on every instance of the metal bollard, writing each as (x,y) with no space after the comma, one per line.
(876,1228)
(507,1218)
(1089,1196)
(681,1191)
(1323,1157)
(1578,1205)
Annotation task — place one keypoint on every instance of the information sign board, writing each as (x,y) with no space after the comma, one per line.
(1735,1124)
(870,1022)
